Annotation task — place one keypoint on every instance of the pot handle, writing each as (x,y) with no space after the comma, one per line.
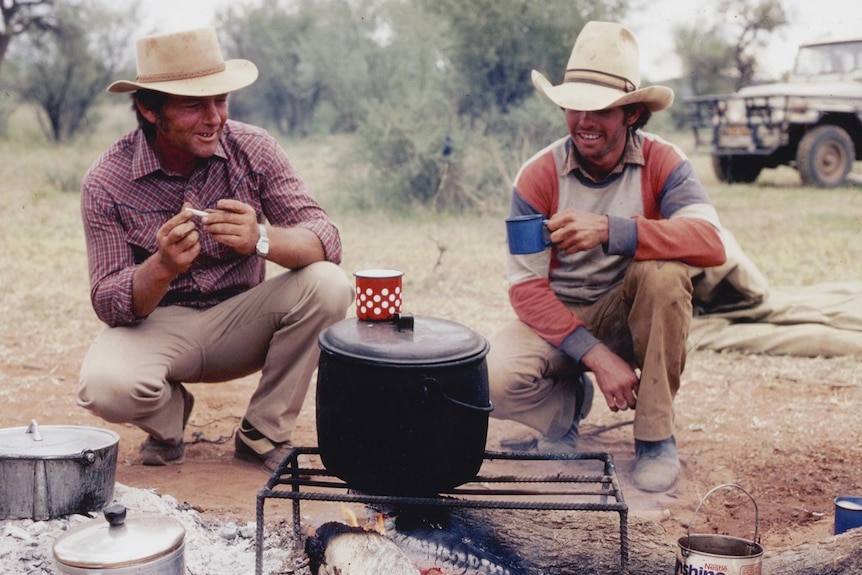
(734,486)
(86,457)
(115,514)
(430,380)
(404,321)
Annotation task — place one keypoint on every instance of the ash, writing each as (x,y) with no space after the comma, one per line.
(26,546)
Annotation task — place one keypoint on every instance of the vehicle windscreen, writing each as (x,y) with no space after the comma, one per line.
(838,58)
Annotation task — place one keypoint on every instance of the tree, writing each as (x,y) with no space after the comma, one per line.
(454,121)
(726,52)
(496,43)
(66,68)
(309,53)
(747,24)
(285,95)
(705,56)
(344,55)
(21,16)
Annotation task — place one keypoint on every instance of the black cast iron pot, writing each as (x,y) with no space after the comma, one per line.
(402,406)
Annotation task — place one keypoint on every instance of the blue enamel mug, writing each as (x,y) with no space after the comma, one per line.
(527,234)
(848,514)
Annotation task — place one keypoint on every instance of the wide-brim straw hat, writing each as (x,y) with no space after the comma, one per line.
(603,72)
(186,63)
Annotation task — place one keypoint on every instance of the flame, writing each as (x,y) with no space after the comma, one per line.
(351,516)
(377,525)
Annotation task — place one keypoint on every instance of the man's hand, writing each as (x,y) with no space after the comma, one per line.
(574,231)
(614,376)
(178,243)
(234,224)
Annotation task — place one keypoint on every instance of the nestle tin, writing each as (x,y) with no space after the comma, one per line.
(720,554)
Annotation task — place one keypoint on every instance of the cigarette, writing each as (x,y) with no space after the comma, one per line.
(199,213)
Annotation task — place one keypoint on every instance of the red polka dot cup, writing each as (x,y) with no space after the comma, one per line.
(378,294)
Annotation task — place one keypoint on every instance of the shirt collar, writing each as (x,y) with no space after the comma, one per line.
(146,162)
(632,154)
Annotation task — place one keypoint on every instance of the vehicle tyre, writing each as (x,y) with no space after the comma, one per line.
(736,169)
(825,156)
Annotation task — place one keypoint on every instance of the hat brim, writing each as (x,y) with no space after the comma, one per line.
(236,75)
(590,97)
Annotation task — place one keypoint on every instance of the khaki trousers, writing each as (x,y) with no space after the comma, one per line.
(130,374)
(645,320)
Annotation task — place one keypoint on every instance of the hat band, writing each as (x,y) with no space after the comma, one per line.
(600,79)
(170,76)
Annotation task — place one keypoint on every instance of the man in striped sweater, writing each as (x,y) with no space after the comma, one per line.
(628,220)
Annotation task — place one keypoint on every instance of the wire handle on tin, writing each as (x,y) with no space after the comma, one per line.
(717,487)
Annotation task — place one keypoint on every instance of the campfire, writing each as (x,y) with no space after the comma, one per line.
(471,529)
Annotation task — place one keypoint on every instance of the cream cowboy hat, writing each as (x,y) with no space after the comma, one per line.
(187,64)
(603,72)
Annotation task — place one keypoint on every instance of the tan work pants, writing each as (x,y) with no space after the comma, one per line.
(645,320)
(130,373)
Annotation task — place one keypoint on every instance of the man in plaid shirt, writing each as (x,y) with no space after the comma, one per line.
(180,217)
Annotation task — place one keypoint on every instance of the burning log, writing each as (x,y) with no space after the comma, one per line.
(417,544)
(340,549)
(489,541)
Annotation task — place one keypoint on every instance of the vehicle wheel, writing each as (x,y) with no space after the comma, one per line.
(737,169)
(825,156)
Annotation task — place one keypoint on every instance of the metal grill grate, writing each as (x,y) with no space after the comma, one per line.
(590,491)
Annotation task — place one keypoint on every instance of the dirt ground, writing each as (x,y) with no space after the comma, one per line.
(785,429)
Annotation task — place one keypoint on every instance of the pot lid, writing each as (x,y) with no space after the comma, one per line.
(119,541)
(53,441)
(407,340)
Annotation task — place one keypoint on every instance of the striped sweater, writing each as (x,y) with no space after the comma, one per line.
(657,210)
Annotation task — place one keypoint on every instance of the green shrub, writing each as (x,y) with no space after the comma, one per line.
(430,157)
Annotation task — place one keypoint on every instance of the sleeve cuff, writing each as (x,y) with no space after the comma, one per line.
(578,343)
(622,236)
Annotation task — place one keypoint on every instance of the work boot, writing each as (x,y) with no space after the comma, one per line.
(156,452)
(254,447)
(656,464)
(584,396)
(568,443)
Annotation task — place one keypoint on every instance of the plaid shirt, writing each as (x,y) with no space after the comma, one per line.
(126,196)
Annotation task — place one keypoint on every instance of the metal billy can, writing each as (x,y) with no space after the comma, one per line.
(701,554)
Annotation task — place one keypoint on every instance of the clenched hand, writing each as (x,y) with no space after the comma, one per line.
(575,231)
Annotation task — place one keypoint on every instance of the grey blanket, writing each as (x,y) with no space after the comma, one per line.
(736,309)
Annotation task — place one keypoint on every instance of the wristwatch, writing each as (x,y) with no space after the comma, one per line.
(262,246)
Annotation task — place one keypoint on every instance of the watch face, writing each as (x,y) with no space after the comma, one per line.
(262,246)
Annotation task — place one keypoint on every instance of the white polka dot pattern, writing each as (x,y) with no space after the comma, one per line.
(378,294)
